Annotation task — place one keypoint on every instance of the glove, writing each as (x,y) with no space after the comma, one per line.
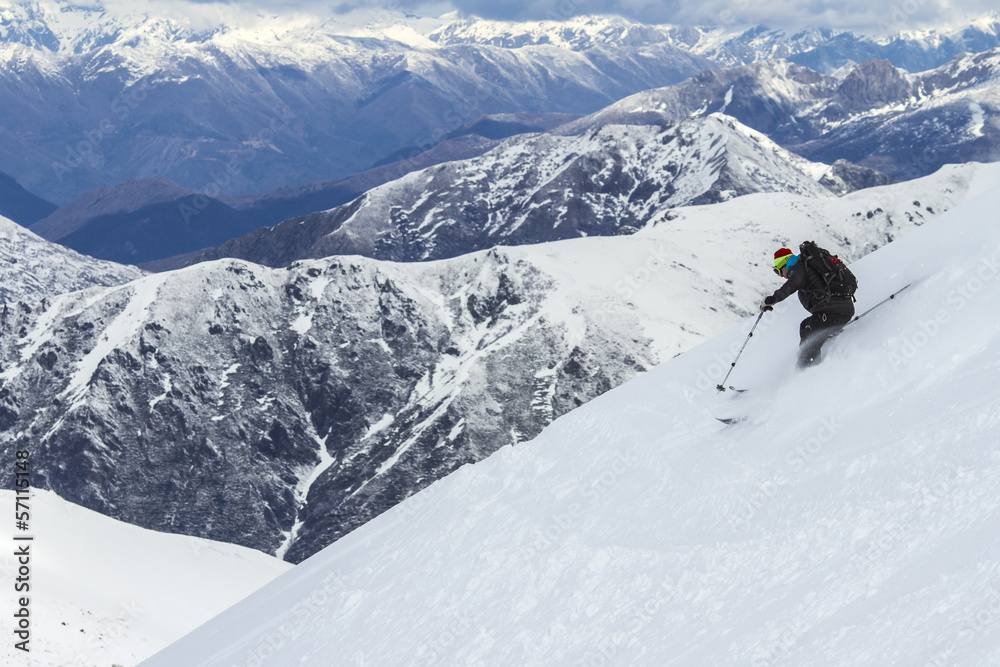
(767,304)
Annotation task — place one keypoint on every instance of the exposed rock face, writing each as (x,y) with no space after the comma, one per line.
(844,177)
(903,125)
(33,270)
(540,188)
(280,409)
(871,85)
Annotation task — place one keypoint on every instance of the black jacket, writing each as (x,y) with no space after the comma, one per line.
(812,292)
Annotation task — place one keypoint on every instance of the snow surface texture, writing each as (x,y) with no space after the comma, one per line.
(32,268)
(296,404)
(852,520)
(108,593)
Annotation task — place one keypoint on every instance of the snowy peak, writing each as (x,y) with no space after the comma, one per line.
(966,72)
(62,26)
(729,47)
(576,34)
(765,95)
(31,268)
(871,85)
(828,50)
(542,187)
(875,115)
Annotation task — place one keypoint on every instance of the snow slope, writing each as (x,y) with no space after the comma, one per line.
(32,268)
(854,519)
(108,593)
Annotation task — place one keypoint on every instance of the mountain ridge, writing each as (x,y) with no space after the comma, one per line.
(539,188)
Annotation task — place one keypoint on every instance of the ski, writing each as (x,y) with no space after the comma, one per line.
(729,421)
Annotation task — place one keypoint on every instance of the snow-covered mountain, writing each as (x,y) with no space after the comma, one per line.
(94,98)
(542,187)
(108,593)
(146,220)
(248,102)
(282,408)
(905,125)
(31,268)
(851,520)
(822,49)
(827,50)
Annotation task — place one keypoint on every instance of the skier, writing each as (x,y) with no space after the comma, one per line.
(828,297)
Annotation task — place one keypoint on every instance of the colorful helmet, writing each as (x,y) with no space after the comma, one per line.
(781,258)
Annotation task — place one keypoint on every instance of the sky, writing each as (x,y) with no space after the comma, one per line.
(848,14)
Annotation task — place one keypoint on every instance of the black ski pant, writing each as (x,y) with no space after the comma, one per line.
(815,330)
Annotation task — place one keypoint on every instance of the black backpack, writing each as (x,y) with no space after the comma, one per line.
(836,277)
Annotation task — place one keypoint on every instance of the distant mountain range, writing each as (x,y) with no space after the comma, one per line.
(563,184)
(145,220)
(94,99)
(905,125)
(19,205)
(821,49)
(873,115)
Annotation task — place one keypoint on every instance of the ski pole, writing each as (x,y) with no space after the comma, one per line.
(888,298)
(722,387)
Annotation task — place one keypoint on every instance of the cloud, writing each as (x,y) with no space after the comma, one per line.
(861,15)
(854,14)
